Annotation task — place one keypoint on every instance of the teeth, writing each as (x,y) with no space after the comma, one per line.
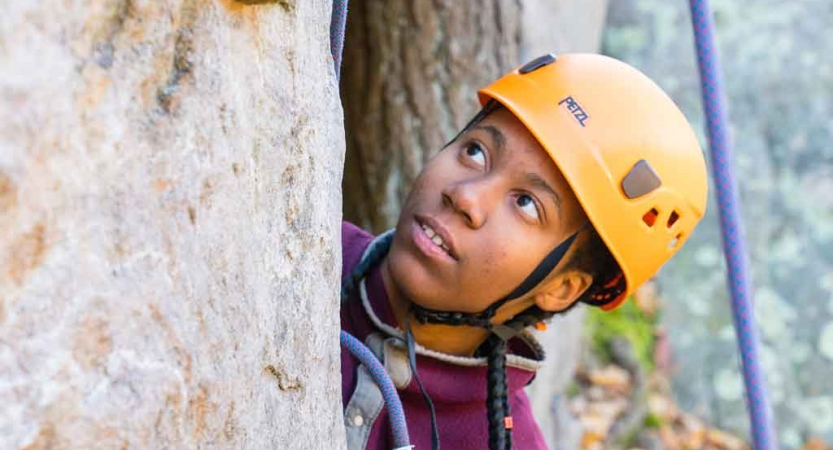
(435,238)
(429,231)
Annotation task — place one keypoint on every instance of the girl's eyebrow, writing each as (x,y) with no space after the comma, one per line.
(535,180)
(497,135)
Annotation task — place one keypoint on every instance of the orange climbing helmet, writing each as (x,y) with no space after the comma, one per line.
(627,151)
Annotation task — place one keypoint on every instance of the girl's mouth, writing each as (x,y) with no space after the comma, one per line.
(435,238)
(429,241)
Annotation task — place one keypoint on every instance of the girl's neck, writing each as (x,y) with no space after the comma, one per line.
(452,340)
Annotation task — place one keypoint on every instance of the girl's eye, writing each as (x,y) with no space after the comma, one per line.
(527,205)
(476,153)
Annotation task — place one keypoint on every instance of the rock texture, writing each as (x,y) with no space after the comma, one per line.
(169,225)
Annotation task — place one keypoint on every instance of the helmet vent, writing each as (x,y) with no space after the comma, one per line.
(650,217)
(537,63)
(672,219)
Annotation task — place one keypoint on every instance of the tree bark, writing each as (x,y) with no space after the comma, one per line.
(169,225)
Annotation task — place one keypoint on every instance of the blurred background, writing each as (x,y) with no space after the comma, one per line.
(662,372)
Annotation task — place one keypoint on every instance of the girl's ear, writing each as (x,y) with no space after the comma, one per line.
(563,291)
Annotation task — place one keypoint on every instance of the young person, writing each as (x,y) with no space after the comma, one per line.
(576,181)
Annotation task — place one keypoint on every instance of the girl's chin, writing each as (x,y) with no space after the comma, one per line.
(415,282)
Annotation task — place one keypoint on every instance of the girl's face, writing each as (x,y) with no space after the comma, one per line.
(481,216)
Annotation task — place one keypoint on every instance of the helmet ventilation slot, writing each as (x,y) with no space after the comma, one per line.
(672,219)
(650,217)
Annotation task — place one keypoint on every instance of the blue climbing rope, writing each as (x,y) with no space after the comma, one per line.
(734,242)
(398,426)
(338,23)
(396,414)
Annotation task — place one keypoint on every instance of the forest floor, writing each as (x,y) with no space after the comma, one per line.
(621,393)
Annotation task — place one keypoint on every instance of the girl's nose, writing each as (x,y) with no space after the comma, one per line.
(470,199)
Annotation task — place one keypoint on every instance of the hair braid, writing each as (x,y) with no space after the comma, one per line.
(507,410)
(496,396)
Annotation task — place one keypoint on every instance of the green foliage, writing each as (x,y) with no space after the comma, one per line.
(653,421)
(573,389)
(627,321)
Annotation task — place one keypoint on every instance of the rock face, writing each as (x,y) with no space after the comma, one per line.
(169,225)
(778,78)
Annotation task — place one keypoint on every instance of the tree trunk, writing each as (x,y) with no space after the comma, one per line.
(169,225)
(411,71)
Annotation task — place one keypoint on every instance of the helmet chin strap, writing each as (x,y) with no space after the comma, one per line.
(483,319)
